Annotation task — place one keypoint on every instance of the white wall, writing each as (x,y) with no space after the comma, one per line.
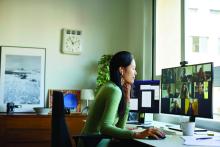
(38,23)
(136,12)
(140,36)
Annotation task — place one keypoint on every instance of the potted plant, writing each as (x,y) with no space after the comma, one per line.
(103,71)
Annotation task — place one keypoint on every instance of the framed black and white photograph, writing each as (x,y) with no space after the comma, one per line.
(22,77)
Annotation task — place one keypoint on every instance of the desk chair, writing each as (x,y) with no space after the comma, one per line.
(90,140)
(59,131)
(93,140)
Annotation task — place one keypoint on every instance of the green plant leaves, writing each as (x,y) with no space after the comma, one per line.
(103,71)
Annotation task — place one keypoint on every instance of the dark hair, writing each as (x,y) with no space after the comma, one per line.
(120,59)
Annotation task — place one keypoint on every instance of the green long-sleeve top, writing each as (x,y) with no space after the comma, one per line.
(103,115)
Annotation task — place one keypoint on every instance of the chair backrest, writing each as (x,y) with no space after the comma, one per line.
(59,132)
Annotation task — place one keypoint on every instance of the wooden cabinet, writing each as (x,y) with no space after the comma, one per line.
(30,130)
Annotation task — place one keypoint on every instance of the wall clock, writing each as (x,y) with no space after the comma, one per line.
(71,41)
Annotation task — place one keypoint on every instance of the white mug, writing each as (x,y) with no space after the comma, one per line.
(187,128)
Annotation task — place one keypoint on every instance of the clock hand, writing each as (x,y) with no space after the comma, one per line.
(72,42)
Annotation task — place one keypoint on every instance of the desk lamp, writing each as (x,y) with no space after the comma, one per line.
(87,94)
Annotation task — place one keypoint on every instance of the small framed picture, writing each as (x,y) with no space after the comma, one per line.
(71,99)
(22,77)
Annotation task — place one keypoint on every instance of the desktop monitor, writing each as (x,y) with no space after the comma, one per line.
(187,90)
(144,97)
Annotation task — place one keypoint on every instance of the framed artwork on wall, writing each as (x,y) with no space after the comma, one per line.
(71,99)
(22,78)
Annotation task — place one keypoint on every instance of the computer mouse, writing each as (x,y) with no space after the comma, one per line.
(154,138)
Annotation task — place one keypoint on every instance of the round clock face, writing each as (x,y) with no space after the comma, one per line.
(71,43)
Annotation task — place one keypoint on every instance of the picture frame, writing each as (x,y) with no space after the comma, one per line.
(22,78)
(71,98)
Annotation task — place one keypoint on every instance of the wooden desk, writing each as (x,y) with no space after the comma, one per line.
(170,140)
(30,130)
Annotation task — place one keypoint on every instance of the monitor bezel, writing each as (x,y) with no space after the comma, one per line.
(211,89)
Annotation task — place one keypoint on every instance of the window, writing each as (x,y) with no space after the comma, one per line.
(218,45)
(202,21)
(167,34)
(197,22)
(199,44)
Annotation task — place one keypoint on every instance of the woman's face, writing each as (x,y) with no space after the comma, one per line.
(129,73)
(200,88)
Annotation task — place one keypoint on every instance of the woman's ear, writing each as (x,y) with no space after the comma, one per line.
(121,70)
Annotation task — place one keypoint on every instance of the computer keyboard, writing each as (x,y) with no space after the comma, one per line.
(137,123)
(145,126)
(133,122)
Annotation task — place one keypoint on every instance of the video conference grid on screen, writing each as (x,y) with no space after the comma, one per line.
(187,90)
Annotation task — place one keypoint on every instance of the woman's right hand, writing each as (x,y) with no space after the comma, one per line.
(153,132)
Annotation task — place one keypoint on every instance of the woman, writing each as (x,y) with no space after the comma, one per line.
(200,91)
(201,75)
(184,93)
(109,113)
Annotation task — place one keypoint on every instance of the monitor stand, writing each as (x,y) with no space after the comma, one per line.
(141,117)
(192,119)
(143,121)
(145,125)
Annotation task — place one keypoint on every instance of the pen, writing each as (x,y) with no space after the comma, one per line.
(202,138)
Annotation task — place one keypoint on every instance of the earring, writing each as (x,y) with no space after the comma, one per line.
(122,81)
(122,77)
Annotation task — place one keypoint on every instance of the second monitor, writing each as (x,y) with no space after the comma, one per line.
(144,97)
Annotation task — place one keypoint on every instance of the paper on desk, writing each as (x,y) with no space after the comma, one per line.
(191,140)
(146,99)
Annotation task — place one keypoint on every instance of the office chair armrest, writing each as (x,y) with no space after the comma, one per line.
(90,140)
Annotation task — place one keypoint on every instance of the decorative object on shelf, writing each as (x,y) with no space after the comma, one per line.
(103,71)
(42,110)
(11,106)
(87,94)
(72,102)
(22,77)
(71,41)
